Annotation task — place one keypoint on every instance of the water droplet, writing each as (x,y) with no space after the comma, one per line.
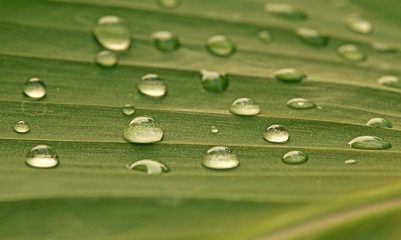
(220,158)
(112,33)
(351,53)
(245,107)
(350,162)
(169,4)
(276,134)
(369,142)
(379,123)
(285,10)
(383,48)
(34,88)
(300,103)
(42,156)
(149,166)
(153,86)
(390,81)
(220,45)
(143,130)
(214,129)
(128,109)
(265,36)
(165,41)
(106,58)
(295,157)
(214,81)
(21,127)
(312,36)
(358,23)
(290,75)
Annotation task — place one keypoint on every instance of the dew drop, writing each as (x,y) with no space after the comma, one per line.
(112,33)
(265,37)
(312,36)
(34,88)
(350,162)
(358,23)
(351,53)
(390,81)
(151,167)
(220,158)
(169,4)
(245,107)
(214,81)
(106,58)
(21,127)
(220,45)
(300,103)
(152,85)
(276,134)
(290,75)
(42,156)
(383,48)
(214,129)
(285,10)
(165,41)
(128,109)
(379,123)
(295,157)
(143,130)
(369,142)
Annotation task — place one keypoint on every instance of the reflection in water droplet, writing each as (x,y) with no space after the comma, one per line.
(42,156)
(312,36)
(214,129)
(128,109)
(383,48)
(106,58)
(214,81)
(21,127)
(169,4)
(149,166)
(390,81)
(34,88)
(165,41)
(245,107)
(143,130)
(220,45)
(32,108)
(351,53)
(220,158)
(369,142)
(112,33)
(153,86)
(379,123)
(358,23)
(300,103)
(285,10)
(289,75)
(350,162)
(295,157)
(276,134)
(265,36)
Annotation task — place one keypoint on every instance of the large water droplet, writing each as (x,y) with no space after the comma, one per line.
(350,162)
(245,107)
(300,103)
(351,53)
(169,4)
(379,123)
(383,47)
(358,23)
(369,142)
(149,166)
(112,33)
(214,129)
(289,75)
(143,130)
(312,36)
(152,85)
(214,81)
(276,134)
(34,88)
(295,157)
(220,158)
(165,41)
(42,156)
(265,36)
(21,127)
(106,58)
(390,81)
(128,109)
(220,45)
(285,10)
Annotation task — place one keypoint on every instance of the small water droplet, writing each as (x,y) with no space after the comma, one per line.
(214,81)
(358,23)
(149,166)
(350,162)
(152,85)
(295,157)
(128,109)
(369,142)
(390,81)
(21,127)
(300,103)
(285,10)
(245,107)
(290,75)
(34,88)
(165,41)
(220,158)
(106,58)
(379,123)
(276,134)
(312,36)
(383,47)
(143,130)
(169,4)
(112,33)
(42,156)
(214,129)
(220,45)
(265,36)
(351,53)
